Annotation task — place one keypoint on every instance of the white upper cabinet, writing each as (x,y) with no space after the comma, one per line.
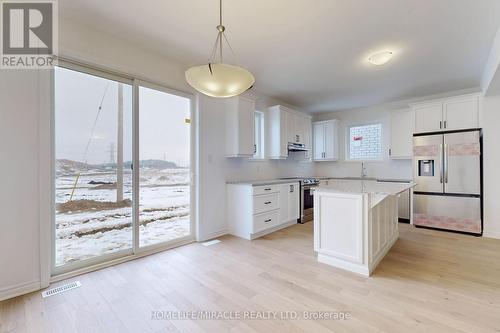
(454,113)
(401,135)
(428,117)
(318,140)
(284,126)
(306,134)
(297,126)
(240,127)
(276,133)
(325,140)
(291,124)
(461,113)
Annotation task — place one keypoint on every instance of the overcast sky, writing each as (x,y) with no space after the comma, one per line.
(164,135)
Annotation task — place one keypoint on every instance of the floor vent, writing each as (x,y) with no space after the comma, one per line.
(61,289)
(212,242)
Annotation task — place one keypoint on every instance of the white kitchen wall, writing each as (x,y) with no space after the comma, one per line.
(386,168)
(215,169)
(244,169)
(25,120)
(491,163)
(23,98)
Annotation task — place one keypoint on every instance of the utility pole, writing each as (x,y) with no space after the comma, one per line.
(111,152)
(119,159)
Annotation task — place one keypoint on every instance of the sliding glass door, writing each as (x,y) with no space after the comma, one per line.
(93,183)
(164,166)
(105,207)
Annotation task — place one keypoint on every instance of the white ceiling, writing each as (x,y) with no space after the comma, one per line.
(312,53)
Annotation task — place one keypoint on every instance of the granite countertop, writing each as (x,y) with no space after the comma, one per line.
(284,181)
(377,190)
(263,182)
(365,186)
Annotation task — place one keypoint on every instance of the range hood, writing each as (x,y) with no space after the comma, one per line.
(296,146)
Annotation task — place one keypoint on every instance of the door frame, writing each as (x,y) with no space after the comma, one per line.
(192,165)
(51,273)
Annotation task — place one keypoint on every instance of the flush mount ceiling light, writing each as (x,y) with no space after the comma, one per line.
(380,58)
(216,78)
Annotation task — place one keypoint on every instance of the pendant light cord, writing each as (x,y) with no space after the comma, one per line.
(221,36)
(220,12)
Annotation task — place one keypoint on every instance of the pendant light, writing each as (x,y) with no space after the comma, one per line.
(216,78)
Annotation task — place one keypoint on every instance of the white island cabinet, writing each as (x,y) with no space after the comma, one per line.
(255,209)
(356,223)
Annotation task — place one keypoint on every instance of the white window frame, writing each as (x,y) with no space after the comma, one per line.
(348,142)
(259,139)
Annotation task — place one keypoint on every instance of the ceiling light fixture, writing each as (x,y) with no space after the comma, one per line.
(218,79)
(380,58)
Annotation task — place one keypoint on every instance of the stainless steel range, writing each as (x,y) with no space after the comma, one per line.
(307,185)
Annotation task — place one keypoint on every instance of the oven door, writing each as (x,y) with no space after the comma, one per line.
(307,204)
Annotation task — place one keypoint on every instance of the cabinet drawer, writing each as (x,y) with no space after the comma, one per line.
(265,203)
(266,189)
(265,221)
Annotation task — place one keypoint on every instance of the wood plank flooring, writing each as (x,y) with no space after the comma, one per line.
(429,282)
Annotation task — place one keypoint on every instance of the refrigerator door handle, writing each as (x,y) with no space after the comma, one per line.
(445,164)
(441,169)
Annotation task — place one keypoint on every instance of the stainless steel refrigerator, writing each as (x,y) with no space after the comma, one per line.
(448,173)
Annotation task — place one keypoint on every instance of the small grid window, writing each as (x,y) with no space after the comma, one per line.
(365,142)
(258,135)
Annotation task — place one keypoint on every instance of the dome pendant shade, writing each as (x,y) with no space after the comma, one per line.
(220,80)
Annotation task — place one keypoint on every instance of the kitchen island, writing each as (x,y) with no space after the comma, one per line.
(356,222)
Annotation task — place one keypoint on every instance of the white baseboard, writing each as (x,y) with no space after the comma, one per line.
(213,235)
(491,234)
(344,264)
(273,229)
(19,289)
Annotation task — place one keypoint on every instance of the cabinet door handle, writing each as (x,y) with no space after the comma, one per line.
(292,188)
(267,189)
(445,124)
(440,124)
(267,221)
(390,151)
(267,202)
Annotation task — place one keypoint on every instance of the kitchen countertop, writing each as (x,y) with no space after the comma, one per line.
(366,186)
(263,182)
(290,180)
(377,190)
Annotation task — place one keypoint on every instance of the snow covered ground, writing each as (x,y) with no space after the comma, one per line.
(163,208)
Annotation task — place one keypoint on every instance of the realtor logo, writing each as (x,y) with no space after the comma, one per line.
(29,34)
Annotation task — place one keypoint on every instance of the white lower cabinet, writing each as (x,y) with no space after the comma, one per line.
(254,211)
(289,202)
(265,220)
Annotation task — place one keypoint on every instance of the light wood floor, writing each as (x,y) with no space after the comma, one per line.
(429,282)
